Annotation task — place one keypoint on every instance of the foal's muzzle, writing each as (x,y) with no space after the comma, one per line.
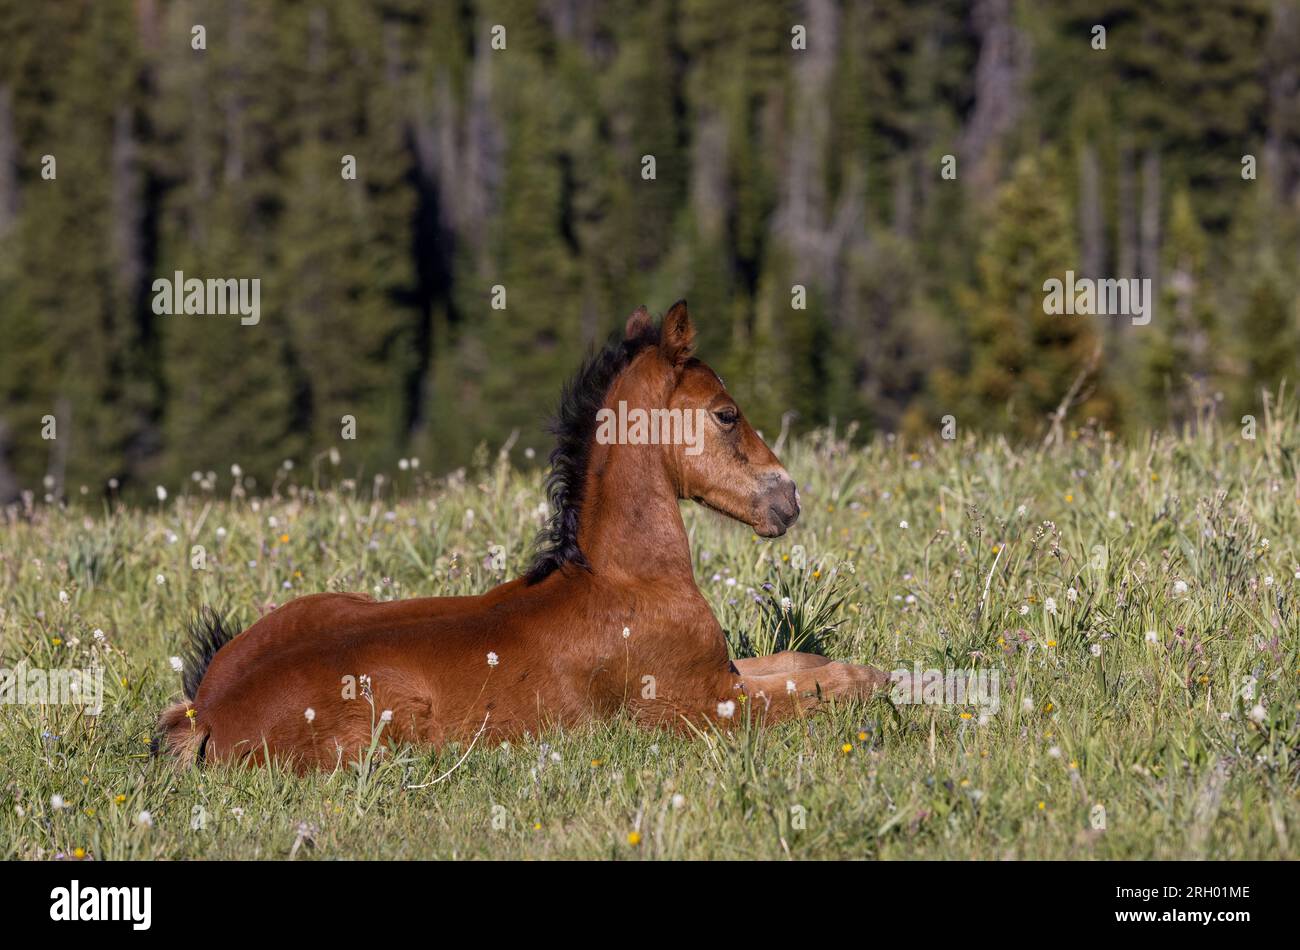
(778,506)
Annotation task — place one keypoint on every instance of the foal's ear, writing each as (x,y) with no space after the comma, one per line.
(678,334)
(638,324)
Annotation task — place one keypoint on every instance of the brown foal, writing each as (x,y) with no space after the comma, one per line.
(608,618)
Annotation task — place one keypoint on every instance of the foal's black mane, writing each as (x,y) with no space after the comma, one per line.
(574,427)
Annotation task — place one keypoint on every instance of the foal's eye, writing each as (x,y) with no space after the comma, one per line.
(726,417)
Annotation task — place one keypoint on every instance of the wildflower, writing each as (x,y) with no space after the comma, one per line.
(1050,605)
(966,715)
(634,838)
(627,632)
(1051,643)
(98,635)
(903,525)
(309,714)
(79,853)
(492,659)
(1180,587)
(144,819)
(386,716)
(1258,713)
(161,493)
(1069,499)
(56,802)
(1027,704)
(1024,609)
(1152,637)
(160,579)
(1054,752)
(63,597)
(1095,649)
(726,709)
(787,604)
(176,664)
(862,737)
(1042,806)
(790,687)
(236,471)
(120,799)
(679,800)
(846,748)
(1071,595)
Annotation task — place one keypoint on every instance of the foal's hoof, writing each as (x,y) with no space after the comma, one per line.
(871,681)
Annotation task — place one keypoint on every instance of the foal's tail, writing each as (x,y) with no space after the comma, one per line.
(179,731)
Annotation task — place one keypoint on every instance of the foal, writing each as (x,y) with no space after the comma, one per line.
(608,617)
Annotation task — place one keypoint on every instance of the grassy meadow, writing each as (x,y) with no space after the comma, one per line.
(1138,603)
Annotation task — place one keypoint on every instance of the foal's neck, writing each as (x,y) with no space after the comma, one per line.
(631,526)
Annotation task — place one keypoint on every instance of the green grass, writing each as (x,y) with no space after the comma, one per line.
(1158,733)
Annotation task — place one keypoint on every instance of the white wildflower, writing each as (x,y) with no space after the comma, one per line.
(726,709)
(493,659)
(176,664)
(309,714)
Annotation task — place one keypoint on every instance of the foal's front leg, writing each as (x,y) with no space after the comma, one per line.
(787,661)
(780,695)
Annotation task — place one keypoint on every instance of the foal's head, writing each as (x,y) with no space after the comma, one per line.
(642,414)
(710,452)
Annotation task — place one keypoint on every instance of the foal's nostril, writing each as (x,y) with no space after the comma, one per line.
(790,501)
